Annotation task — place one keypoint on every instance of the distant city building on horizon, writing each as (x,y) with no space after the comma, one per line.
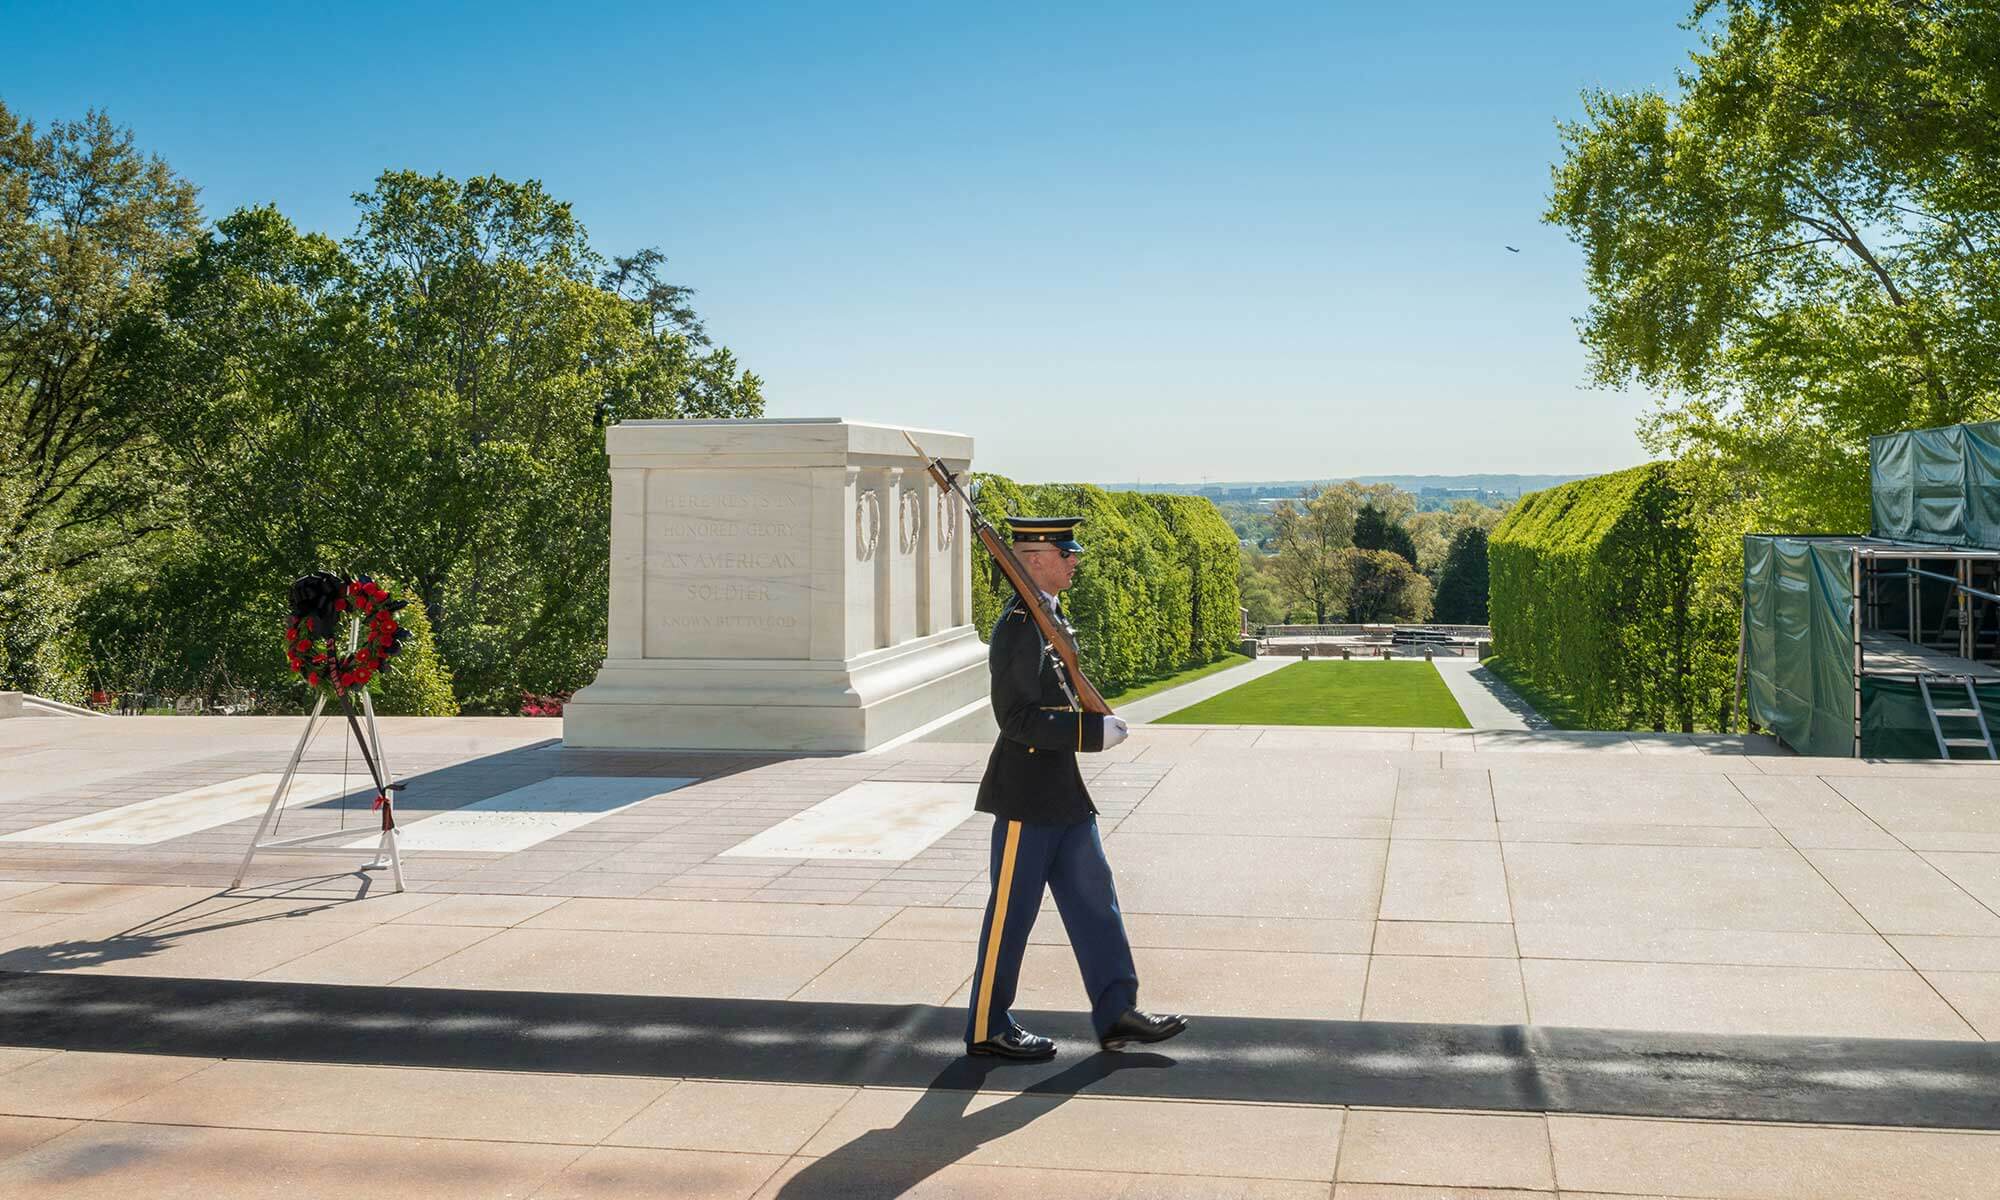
(1482,495)
(1263,492)
(1437,489)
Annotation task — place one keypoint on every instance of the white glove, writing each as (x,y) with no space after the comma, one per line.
(1115,731)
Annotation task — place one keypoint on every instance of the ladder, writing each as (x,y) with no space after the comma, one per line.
(1971,712)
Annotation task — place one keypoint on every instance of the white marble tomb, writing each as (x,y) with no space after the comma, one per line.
(794,584)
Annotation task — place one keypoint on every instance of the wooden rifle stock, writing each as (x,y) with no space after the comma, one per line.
(1057,637)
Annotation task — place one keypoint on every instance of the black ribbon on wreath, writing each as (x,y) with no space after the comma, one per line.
(313,598)
(318,602)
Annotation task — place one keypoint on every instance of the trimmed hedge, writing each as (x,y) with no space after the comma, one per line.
(998,497)
(417,683)
(1209,554)
(1156,592)
(1592,591)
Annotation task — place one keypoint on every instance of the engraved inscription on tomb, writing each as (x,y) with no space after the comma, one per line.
(728,565)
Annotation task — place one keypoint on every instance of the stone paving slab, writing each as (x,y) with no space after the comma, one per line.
(283,1130)
(1606,856)
(1485,698)
(1702,886)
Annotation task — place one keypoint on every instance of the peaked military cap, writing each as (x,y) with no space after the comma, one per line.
(1059,532)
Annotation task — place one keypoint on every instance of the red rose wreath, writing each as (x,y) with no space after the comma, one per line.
(313,638)
(313,634)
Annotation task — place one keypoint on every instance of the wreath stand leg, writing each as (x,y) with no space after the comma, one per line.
(279,793)
(387,852)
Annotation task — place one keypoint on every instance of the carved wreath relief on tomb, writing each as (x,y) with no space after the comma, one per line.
(947,519)
(867,524)
(909,521)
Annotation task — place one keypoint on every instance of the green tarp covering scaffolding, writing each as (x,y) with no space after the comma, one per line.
(1798,655)
(1929,488)
(1798,664)
(1939,486)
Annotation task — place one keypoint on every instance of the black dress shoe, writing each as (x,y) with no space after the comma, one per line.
(1015,1043)
(1137,1025)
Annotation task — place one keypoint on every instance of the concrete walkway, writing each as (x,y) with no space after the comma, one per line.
(1486,699)
(1515,964)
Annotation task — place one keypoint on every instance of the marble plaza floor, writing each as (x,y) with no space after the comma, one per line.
(1420,964)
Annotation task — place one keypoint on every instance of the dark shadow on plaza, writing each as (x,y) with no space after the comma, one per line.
(938,1132)
(226,909)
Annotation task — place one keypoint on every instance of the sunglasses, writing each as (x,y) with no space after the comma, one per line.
(1065,555)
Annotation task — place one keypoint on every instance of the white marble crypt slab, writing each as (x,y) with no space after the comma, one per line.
(164,818)
(528,816)
(876,821)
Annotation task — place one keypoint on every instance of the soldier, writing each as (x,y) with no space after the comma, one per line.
(1045,827)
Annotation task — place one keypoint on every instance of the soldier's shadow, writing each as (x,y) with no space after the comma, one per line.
(938,1131)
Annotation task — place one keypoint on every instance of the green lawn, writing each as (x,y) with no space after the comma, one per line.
(1140,691)
(1334,693)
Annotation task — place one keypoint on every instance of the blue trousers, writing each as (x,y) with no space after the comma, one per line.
(1069,861)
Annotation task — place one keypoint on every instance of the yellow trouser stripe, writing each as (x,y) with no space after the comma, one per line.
(1001,888)
(1079,731)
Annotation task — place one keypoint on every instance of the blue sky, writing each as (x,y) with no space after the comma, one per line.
(1111,242)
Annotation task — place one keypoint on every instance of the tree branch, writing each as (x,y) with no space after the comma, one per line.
(1761,252)
(1851,238)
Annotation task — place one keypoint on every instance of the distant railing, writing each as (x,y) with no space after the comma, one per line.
(1372,641)
(1356,648)
(1453,632)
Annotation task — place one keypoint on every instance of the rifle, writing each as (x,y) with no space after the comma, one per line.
(1059,642)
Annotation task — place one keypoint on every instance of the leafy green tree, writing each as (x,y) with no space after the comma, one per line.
(426,401)
(185,618)
(1799,248)
(1258,588)
(1375,530)
(1434,531)
(1311,540)
(1396,505)
(1461,586)
(86,223)
(1385,588)
(1248,519)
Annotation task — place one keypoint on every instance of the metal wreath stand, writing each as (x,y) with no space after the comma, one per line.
(387,853)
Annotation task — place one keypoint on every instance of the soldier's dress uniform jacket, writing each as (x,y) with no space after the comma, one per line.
(1032,773)
(1044,836)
